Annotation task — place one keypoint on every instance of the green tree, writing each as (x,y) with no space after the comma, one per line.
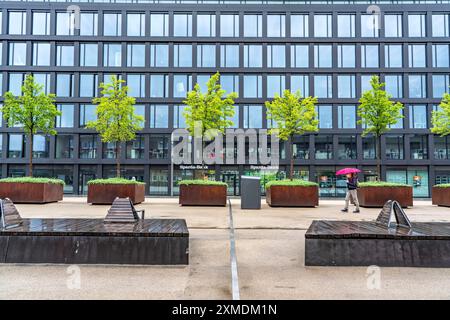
(210,111)
(441,118)
(116,121)
(293,115)
(34,111)
(377,113)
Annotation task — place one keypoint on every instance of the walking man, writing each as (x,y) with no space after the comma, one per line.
(352,186)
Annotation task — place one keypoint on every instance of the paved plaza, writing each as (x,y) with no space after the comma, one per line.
(270,253)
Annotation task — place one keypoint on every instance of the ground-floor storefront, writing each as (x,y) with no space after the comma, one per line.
(162,179)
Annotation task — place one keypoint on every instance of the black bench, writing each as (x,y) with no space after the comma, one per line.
(92,241)
(391,241)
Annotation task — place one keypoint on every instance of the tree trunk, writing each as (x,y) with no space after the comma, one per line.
(30,163)
(118,159)
(378,151)
(291,171)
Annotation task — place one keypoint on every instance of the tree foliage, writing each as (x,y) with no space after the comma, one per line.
(210,110)
(441,117)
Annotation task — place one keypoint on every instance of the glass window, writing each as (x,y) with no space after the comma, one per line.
(418,116)
(442,148)
(440,25)
(182,84)
(17,22)
(300,83)
(325,116)
(276,56)
(65,23)
(41,23)
(112,24)
(276,25)
(416,56)
(88,54)
(398,124)
(346,117)
(440,85)
(322,56)
(15,146)
(41,54)
(159,147)
(43,79)
(136,55)
(88,85)
(41,146)
(229,56)
(394,147)
(418,146)
(299,25)
(275,85)
(139,109)
(394,85)
(346,86)
(159,86)
(229,25)
(365,83)
(159,55)
(230,83)
(346,147)
(182,56)
(136,24)
(416,25)
(369,56)
(88,24)
(112,55)
(135,148)
(324,147)
(87,113)
(15,83)
(17,53)
(64,85)
(393,55)
(178,117)
(206,25)
(440,54)
(323,86)
(206,56)
(252,86)
(65,120)
(88,146)
(252,25)
(301,148)
(369,148)
(159,116)
(202,80)
(370,25)
(393,25)
(182,25)
(252,117)
(346,56)
(159,24)
(299,56)
(136,85)
(64,146)
(322,25)
(252,56)
(64,55)
(346,25)
(417,86)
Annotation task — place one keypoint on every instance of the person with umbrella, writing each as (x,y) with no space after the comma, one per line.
(352,186)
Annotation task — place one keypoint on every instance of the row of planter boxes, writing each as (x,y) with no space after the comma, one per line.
(213,195)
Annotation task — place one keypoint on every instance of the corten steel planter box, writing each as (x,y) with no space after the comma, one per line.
(441,196)
(292,196)
(376,197)
(24,192)
(202,195)
(106,193)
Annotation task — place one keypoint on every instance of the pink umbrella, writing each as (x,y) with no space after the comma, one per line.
(347,171)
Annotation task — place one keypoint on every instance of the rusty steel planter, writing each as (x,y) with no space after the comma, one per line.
(202,195)
(27,192)
(292,196)
(441,196)
(106,193)
(376,197)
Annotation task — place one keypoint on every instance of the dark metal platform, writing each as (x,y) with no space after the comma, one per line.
(89,241)
(381,242)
